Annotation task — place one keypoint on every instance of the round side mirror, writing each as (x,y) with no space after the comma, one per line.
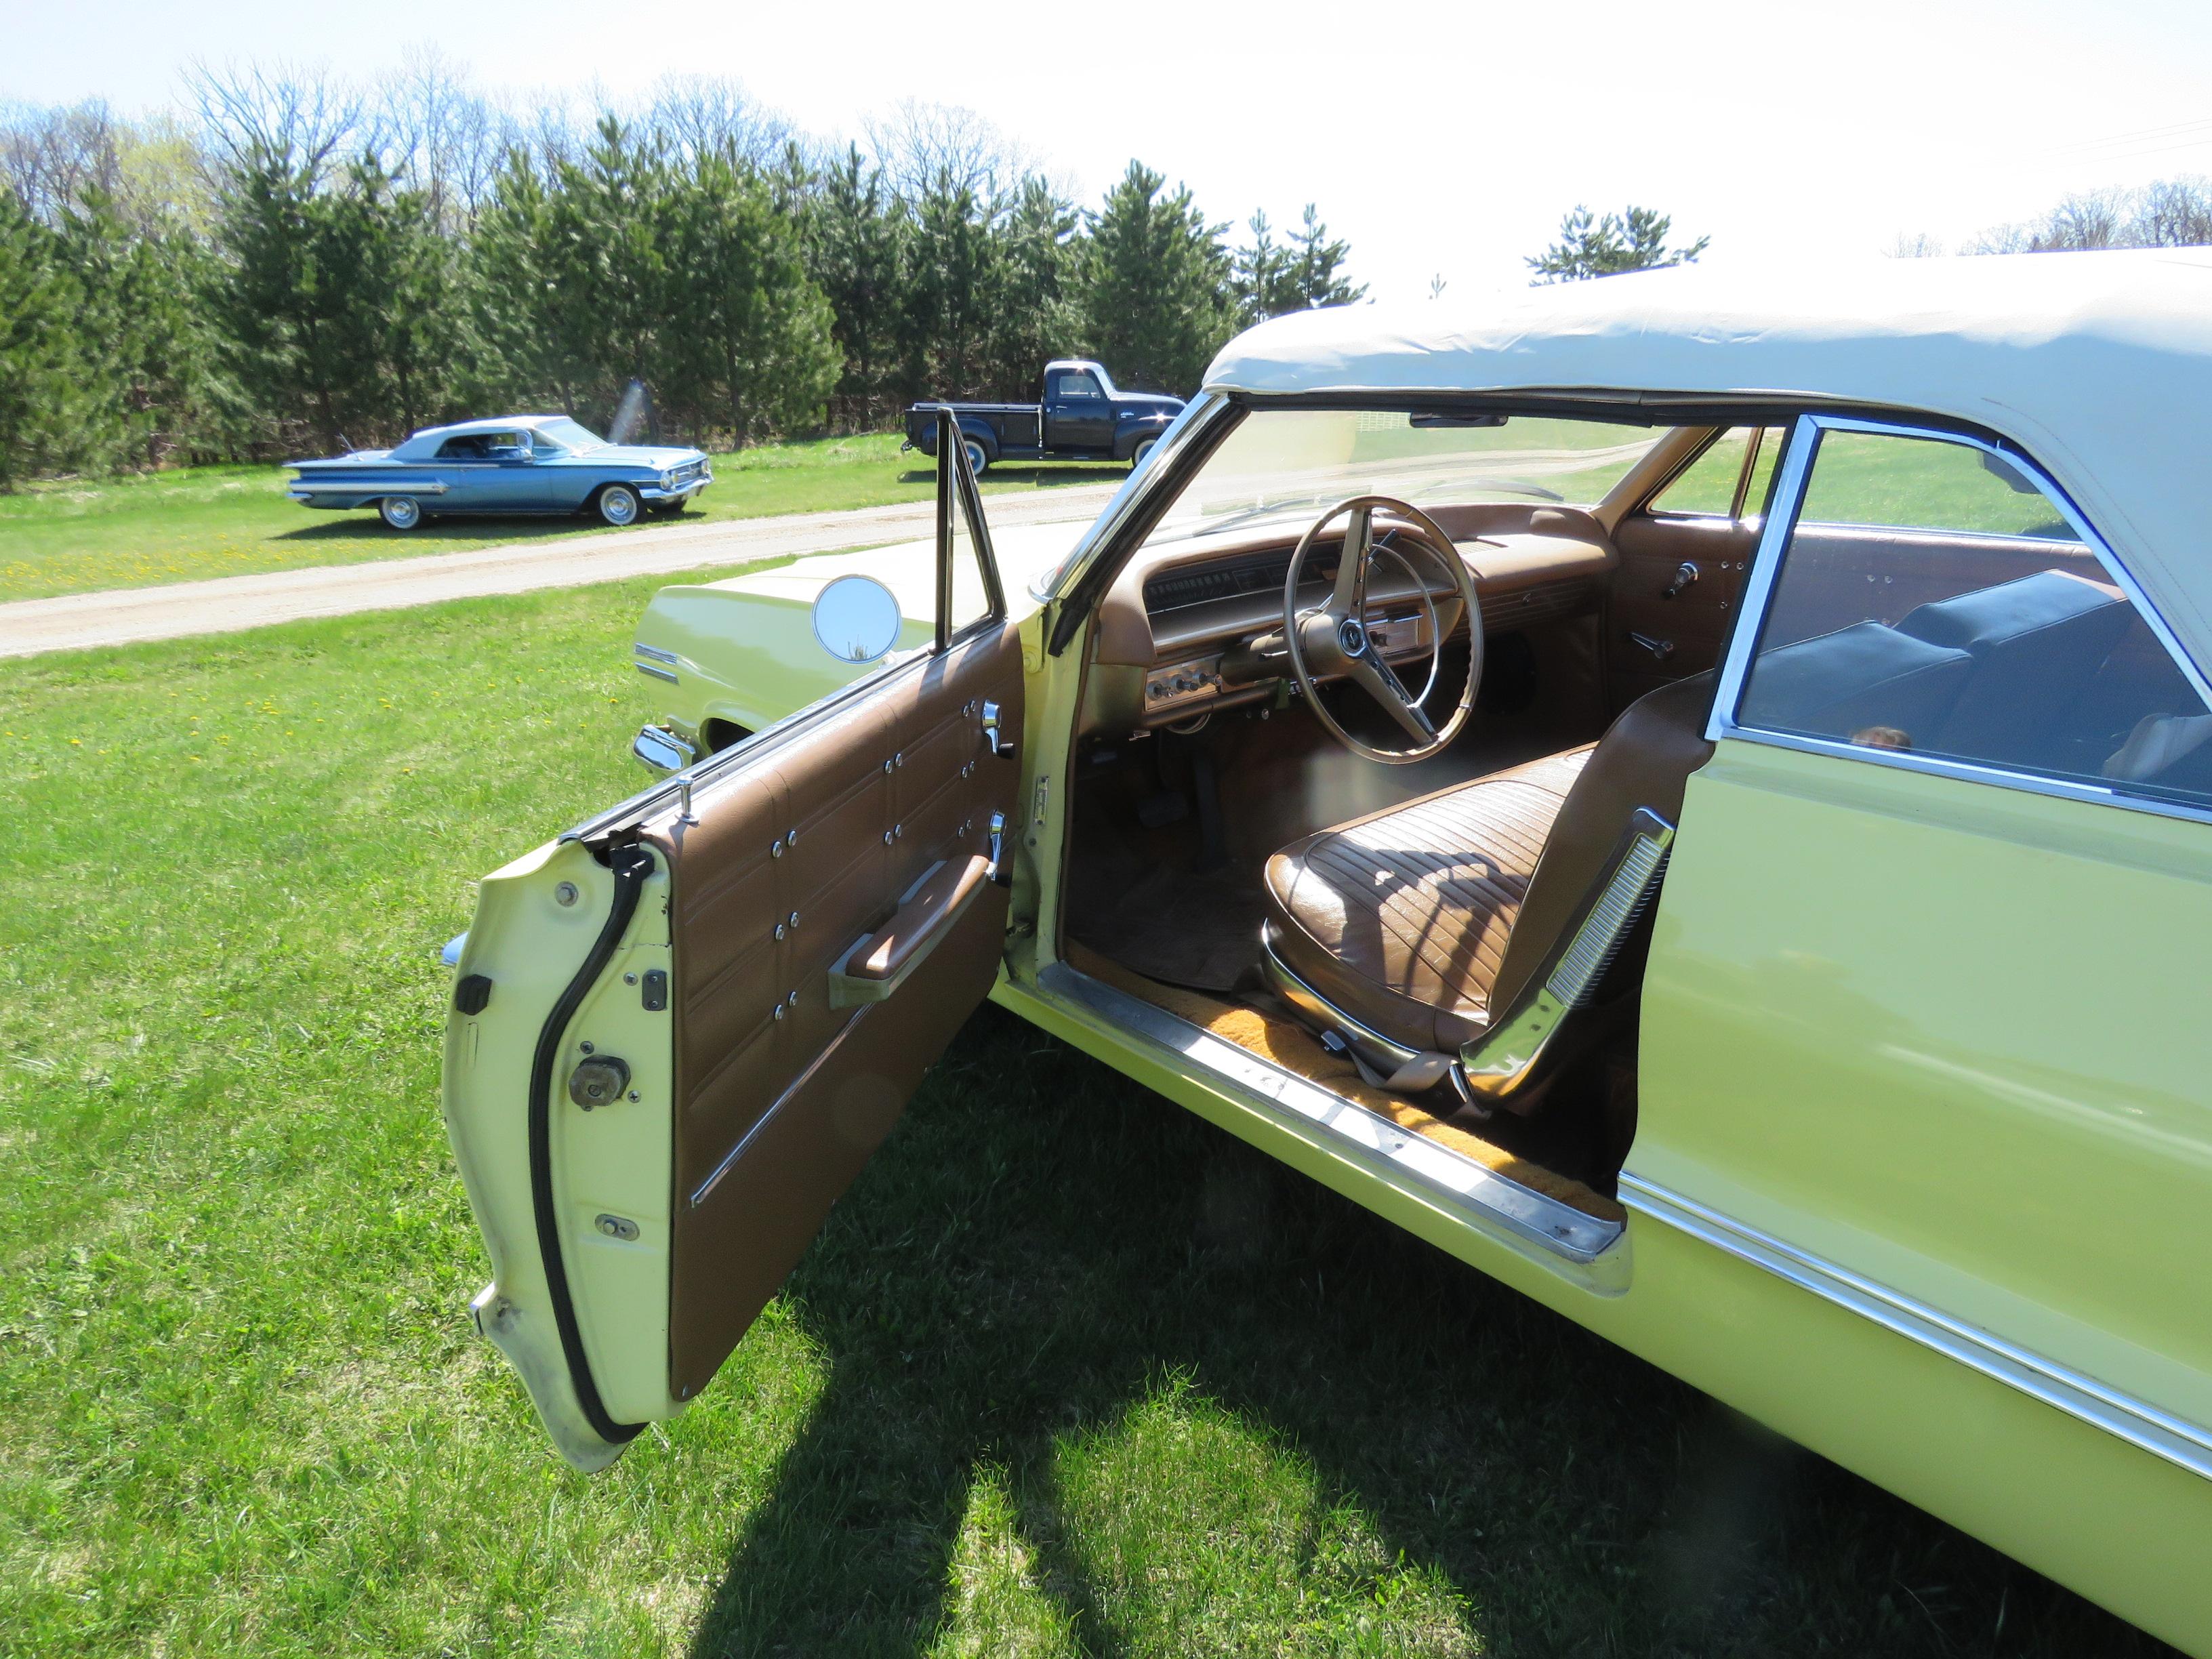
(856,618)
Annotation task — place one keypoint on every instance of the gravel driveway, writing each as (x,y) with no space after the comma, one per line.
(77,621)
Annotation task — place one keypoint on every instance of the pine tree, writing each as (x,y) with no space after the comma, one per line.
(1156,301)
(856,237)
(42,407)
(1634,241)
(1032,317)
(139,348)
(758,351)
(951,273)
(1271,279)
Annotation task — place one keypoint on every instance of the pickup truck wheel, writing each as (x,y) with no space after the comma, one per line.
(400,512)
(1137,455)
(979,458)
(618,505)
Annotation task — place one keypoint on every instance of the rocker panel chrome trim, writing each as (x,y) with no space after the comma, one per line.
(1484,1196)
(2185,1444)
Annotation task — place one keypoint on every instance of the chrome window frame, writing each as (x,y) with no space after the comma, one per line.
(1795,469)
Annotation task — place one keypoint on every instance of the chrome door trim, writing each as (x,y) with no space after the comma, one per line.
(1766,569)
(2176,1439)
(1480,1195)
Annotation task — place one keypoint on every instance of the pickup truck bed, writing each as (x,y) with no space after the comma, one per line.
(1082,416)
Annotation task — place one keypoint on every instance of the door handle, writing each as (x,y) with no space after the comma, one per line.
(1685,573)
(1660,649)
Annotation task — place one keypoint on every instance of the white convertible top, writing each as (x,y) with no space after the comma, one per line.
(2099,365)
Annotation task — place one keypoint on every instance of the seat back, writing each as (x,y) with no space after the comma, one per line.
(2036,644)
(1645,760)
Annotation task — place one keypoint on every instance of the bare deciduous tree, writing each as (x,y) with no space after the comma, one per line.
(298,117)
(2171,213)
(924,147)
(705,115)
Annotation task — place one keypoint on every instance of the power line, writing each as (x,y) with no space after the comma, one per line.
(2121,141)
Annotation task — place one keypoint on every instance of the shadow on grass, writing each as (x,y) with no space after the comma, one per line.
(1045,1255)
(520,528)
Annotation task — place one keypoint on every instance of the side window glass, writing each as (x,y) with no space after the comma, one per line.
(1707,486)
(1932,599)
(1758,486)
(971,598)
(967,589)
(1078,386)
(1730,480)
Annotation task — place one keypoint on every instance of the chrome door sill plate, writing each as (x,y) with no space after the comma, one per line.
(1367,1137)
(2176,1439)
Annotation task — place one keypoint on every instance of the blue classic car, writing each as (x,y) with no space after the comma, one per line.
(516,464)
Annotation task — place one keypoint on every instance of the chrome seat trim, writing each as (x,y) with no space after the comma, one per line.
(1324,1016)
(1518,1051)
(2184,1443)
(1482,1196)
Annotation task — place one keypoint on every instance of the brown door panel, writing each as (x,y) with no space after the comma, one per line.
(780,1097)
(1842,573)
(1694,624)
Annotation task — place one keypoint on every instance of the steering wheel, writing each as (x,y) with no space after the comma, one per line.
(1333,638)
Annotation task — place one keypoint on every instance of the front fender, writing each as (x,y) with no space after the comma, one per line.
(747,658)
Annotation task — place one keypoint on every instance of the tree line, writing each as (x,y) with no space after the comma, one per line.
(296,264)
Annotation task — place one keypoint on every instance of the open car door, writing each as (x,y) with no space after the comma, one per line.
(679,1031)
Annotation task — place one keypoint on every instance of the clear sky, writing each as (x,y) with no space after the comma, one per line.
(1440,139)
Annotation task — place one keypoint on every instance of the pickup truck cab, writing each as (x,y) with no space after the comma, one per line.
(1082,417)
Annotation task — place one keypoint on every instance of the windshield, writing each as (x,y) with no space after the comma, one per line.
(565,433)
(1291,462)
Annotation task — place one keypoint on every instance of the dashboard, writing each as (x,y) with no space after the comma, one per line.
(1196,625)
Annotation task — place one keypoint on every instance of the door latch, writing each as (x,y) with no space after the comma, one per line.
(1660,649)
(599,1081)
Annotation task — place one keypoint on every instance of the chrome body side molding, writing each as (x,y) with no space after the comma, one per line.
(2187,1445)
(300,489)
(1485,1198)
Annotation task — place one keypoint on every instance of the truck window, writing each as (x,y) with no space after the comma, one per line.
(1075,385)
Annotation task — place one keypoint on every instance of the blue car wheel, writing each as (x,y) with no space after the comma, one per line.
(618,505)
(400,512)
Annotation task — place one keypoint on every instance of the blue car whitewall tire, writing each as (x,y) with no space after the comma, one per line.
(618,505)
(400,512)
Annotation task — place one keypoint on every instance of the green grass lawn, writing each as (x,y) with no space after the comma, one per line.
(74,535)
(1070,1371)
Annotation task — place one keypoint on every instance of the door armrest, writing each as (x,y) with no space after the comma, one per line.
(879,962)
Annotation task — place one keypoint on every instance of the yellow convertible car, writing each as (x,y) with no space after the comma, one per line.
(1691,792)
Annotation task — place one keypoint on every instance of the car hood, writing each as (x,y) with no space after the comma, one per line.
(909,569)
(638,455)
(1152,400)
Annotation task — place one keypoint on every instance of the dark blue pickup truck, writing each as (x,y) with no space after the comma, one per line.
(1082,417)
